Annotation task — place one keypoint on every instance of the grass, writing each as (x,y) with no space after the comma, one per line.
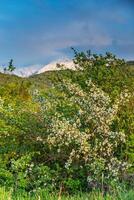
(45,195)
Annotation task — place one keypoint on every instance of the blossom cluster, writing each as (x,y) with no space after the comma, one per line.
(94,140)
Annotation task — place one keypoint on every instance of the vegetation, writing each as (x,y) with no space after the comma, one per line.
(69,131)
(45,195)
(10,67)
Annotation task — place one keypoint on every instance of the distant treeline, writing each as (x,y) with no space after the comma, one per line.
(130,62)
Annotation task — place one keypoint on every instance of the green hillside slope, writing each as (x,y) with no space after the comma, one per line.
(60,127)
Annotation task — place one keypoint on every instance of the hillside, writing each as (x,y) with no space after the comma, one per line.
(56,124)
(47,78)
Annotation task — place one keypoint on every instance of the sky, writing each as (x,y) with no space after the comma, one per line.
(35,32)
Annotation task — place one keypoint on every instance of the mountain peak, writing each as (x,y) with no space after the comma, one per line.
(38,69)
(66,64)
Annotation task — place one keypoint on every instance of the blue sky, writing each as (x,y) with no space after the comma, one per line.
(39,31)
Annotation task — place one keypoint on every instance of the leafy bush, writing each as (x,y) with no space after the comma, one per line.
(75,135)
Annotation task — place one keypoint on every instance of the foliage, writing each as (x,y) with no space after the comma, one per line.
(10,67)
(45,195)
(68,130)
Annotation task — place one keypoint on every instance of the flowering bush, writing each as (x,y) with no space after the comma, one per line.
(85,141)
(71,136)
(88,141)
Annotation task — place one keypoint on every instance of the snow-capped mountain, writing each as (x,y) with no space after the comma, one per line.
(24,71)
(27,71)
(66,64)
(38,69)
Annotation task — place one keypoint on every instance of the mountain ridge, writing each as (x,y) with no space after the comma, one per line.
(38,69)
